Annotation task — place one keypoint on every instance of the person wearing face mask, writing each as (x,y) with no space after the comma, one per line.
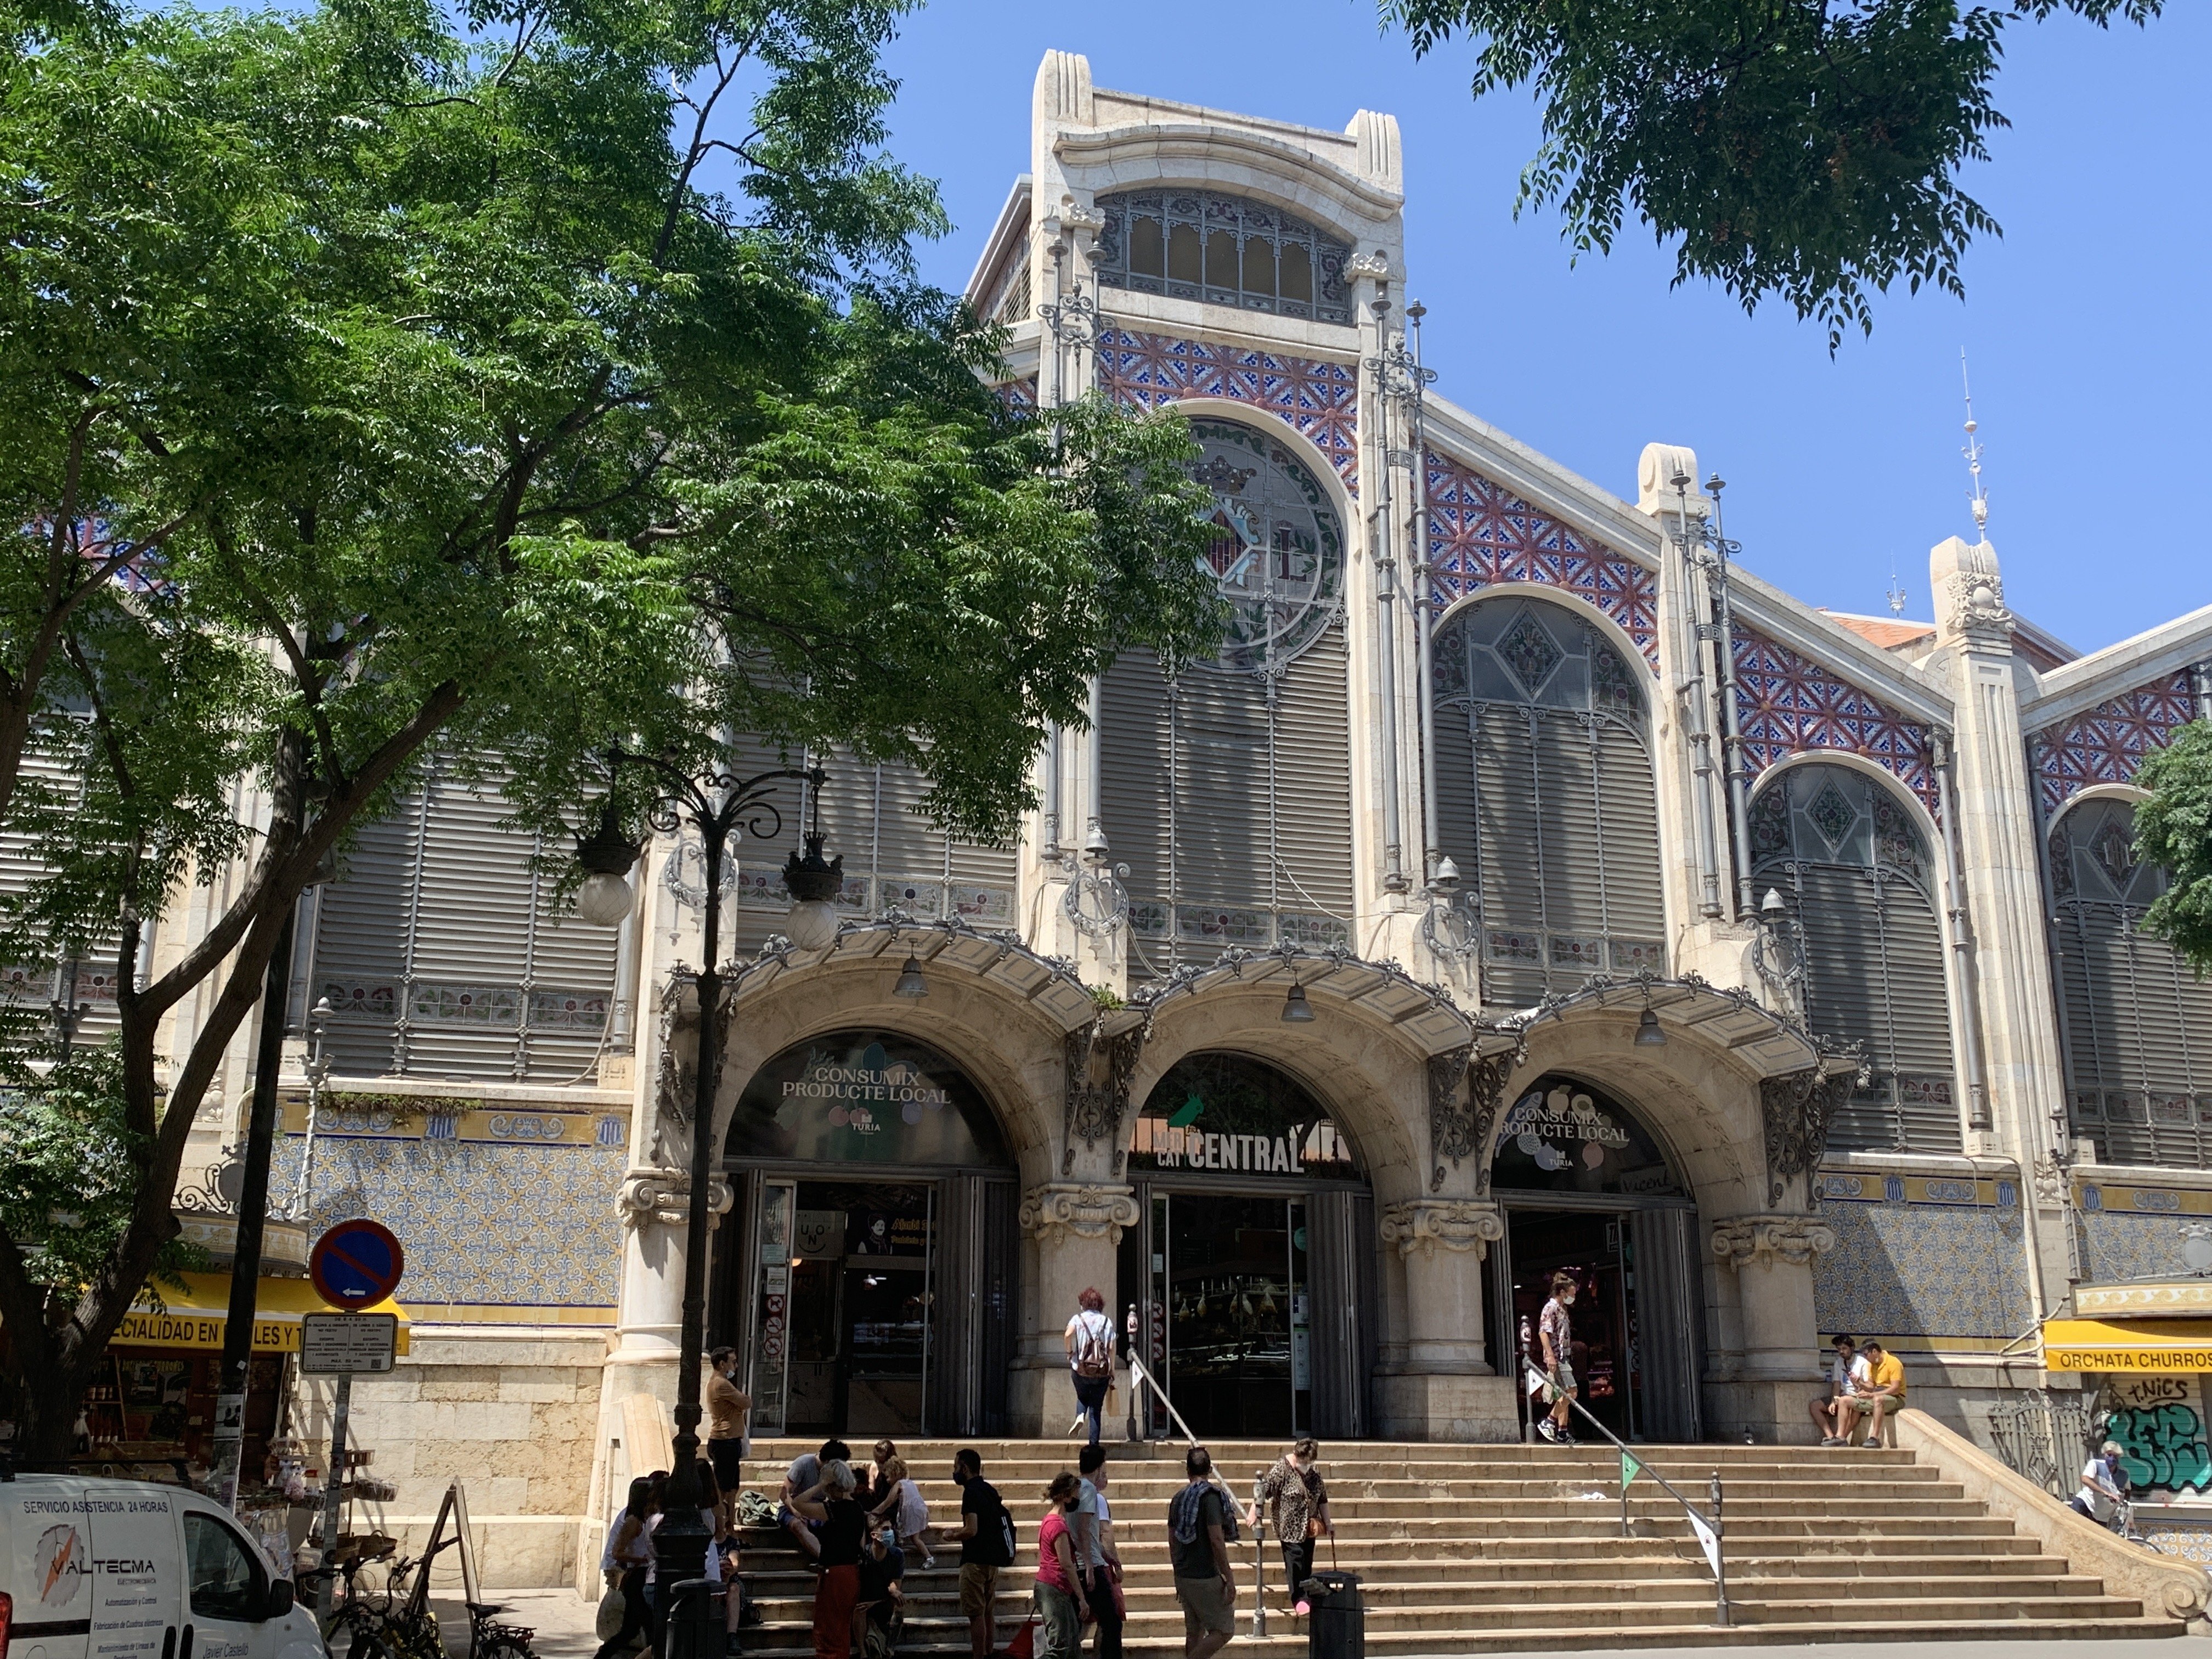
(1554,1331)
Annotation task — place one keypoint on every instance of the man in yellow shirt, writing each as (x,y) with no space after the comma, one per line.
(1882,1393)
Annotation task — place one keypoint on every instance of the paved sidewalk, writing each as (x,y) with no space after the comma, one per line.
(2023,1646)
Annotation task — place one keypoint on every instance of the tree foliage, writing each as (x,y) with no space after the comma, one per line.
(1807,150)
(2173,830)
(385,382)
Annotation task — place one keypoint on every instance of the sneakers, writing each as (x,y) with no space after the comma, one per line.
(1873,1442)
(1549,1429)
(1833,1440)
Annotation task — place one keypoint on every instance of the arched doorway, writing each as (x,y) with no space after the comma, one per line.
(1251,1274)
(1589,1190)
(869,1283)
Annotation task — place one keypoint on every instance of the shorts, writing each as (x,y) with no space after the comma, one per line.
(979,1589)
(728,1458)
(1207,1605)
(1560,1383)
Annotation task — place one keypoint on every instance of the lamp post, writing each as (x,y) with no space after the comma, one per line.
(714,805)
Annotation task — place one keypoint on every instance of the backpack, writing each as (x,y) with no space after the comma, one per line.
(1094,1346)
(994,1529)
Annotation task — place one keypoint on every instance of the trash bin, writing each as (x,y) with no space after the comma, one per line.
(1337,1627)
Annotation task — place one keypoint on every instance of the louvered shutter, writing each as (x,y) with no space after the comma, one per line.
(20,866)
(1137,809)
(1513,909)
(1629,805)
(360,942)
(1312,796)
(1221,826)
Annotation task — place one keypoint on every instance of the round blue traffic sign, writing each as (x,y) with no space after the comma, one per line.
(356,1262)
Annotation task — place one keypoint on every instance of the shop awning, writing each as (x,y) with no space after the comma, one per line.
(2140,1347)
(196,1318)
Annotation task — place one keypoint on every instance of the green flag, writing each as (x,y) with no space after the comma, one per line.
(1630,1468)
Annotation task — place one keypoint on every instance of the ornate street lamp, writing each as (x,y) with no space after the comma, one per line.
(716,805)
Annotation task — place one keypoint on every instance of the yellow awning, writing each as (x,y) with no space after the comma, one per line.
(2142,1347)
(196,1319)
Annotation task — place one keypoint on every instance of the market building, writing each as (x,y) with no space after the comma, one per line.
(1525,886)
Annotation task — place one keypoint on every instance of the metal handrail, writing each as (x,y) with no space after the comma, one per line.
(1138,1374)
(1699,1522)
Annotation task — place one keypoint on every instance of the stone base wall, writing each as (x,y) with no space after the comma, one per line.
(1429,1406)
(511,1413)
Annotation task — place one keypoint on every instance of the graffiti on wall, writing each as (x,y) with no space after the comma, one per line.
(2161,1433)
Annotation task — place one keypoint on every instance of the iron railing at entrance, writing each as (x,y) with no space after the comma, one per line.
(1708,1529)
(2043,1438)
(1140,1377)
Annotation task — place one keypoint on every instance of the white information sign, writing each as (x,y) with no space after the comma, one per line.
(341,1344)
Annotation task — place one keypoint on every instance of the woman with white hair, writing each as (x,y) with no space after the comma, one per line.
(2104,1484)
(844,1527)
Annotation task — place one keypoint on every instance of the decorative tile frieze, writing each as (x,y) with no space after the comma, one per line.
(1322,400)
(1480,533)
(2108,743)
(1788,704)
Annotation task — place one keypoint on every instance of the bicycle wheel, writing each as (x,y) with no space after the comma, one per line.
(505,1646)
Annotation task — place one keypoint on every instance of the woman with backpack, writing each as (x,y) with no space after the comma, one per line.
(1089,1340)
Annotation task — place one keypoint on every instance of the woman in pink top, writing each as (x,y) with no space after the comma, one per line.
(1056,1581)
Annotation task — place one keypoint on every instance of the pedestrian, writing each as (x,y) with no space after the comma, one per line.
(729,1409)
(877,1488)
(628,1553)
(805,1471)
(2104,1486)
(1058,1600)
(1554,1331)
(1844,1374)
(904,1507)
(843,1524)
(1298,1506)
(1097,1554)
(1202,1525)
(877,1609)
(1881,1391)
(986,1533)
(1090,1342)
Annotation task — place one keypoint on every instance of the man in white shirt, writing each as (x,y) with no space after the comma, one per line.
(1845,1375)
(1100,1559)
(2103,1486)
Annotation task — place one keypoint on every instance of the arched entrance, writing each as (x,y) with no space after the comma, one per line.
(1251,1273)
(1589,1191)
(869,1283)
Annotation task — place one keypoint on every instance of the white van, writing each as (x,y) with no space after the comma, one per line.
(128,1570)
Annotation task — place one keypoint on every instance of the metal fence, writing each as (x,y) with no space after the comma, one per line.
(2043,1437)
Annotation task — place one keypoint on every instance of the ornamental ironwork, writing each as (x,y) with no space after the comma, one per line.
(1099,1068)
(1795,1111)
(1222,250)
(1451,1117)
(1277,550)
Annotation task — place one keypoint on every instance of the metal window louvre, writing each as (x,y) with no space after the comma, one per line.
(1313,781)
(361,940)
(1512,891)
(20,866)
(1137,810)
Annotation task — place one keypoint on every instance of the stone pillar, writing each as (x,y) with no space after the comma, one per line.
(649,1319)
(2000,860)
(1444,1388)
(1073,1228)
(1772,1259)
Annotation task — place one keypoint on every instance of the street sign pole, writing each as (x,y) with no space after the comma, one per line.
(333,1477)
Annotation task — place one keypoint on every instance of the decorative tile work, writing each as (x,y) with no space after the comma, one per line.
(1320,399)
(1788,704)
(1479,532)
(1020,396)
(2108,743)
(1921,1270)
(529,1227)
(2133,1243)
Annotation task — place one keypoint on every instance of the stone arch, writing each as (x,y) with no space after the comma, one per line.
(1617,636)
(1316,459)
(1873,771)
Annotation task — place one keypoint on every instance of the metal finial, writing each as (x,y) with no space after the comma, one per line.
(1980,500)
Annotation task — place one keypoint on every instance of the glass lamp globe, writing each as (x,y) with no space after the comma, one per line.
(604,899)
(811,925)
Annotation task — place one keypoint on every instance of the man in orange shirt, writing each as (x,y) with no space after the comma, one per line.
(1882,1393)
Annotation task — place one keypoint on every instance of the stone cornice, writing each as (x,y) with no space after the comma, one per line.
(1060,1210)
(1763,1240)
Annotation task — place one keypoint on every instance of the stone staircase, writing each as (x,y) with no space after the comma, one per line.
(1488,1548)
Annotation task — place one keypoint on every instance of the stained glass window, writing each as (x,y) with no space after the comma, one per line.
(1225,249)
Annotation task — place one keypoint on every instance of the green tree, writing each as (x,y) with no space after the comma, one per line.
(1806,150)
(2173,830)
(383,383)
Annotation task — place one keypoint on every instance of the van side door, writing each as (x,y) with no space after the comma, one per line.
(227,1583)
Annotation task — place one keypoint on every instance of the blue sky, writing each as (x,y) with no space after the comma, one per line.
(2084,325)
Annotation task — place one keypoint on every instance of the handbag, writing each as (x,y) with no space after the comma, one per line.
(613,1609)
(1024,1646)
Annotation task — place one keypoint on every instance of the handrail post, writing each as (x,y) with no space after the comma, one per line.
(1259,1559)
(1720,1558)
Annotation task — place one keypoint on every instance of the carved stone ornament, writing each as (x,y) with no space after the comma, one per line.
(1451,1116)
(1375,264)
(663,1197)
(1063,1209)
(2050,1182)
(1098,1070)
(1485,1096)
(1765,1240)
(1797,1111)
(1427,1224)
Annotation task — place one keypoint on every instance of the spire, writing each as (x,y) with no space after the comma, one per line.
(1980,500)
